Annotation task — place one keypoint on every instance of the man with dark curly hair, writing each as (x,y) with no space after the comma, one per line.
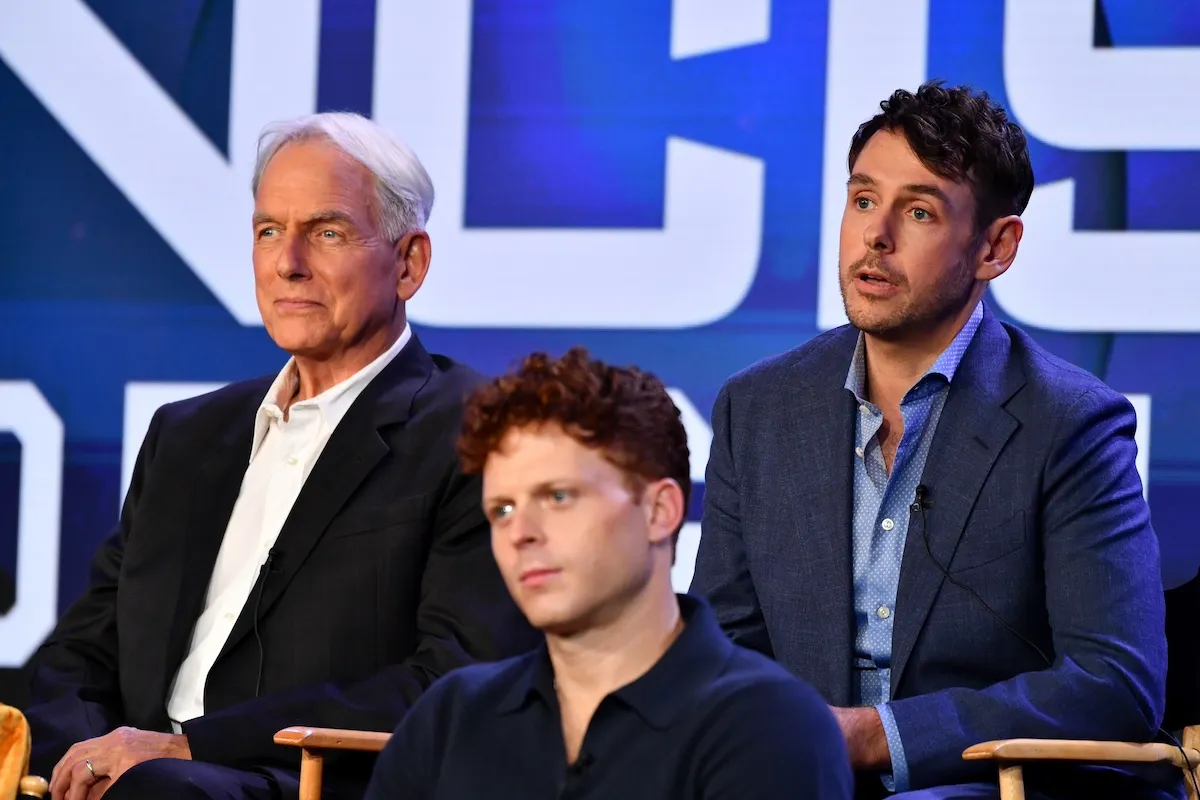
(636,692)
(923,514)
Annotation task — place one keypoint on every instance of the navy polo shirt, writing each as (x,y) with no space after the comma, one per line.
(709,720)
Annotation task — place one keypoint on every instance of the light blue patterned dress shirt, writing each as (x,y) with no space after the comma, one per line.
(880,522)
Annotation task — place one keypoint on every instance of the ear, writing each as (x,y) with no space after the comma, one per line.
(664,508)
(413,253)
(998,247)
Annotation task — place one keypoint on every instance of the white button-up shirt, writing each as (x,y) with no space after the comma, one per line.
(285,448)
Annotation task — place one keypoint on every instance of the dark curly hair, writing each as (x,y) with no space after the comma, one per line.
(623,412)
(963,136)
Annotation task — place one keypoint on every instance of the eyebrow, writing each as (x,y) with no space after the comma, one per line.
(543,487)
(327,215)
(927,189)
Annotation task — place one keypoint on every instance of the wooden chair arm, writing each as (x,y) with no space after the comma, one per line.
(332,739)
(1073,750)
(33,786)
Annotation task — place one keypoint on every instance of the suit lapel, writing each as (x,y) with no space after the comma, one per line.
(972,430)
(215,490)
(817,440)
(352,452)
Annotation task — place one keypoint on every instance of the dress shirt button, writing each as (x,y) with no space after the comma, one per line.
(291,460)
(888,524)
(228,617)
(883,612)
(863,408)
(858,451)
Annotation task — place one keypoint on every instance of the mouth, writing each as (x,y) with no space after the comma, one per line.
(296,305)
(872,282)
(876,278)
(536,577)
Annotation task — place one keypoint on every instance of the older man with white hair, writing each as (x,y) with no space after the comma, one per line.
(297,549)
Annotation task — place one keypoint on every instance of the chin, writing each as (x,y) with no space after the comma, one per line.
(298,342)
(552,618)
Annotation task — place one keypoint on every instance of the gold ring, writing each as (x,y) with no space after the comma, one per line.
(87,762)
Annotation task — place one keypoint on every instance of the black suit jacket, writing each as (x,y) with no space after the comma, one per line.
(383,580)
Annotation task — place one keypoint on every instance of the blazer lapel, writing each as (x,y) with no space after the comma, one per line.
(215,490)
(814,553)
(352,452)
(972,430)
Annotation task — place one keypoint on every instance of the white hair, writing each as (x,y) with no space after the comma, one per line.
(404,192)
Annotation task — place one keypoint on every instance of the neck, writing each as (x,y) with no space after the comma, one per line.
(592,664)
(895,364)
(319,374)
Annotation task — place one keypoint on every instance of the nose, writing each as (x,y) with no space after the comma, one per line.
(291,263)
(524,528)
(877,234)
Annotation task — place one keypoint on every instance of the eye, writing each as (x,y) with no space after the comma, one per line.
(330,235)
(500,511)
(559,496)
(267,233)
(921,215)
(863,203)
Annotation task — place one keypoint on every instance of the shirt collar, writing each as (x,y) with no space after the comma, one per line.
(945,365)
(331,404)
(668,688)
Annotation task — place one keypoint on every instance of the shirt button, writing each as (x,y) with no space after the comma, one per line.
(883,612)
(863,408)
(888,524)
(228,617)
(858,451)
(291,461)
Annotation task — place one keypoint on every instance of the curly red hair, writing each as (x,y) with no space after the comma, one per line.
(623,412)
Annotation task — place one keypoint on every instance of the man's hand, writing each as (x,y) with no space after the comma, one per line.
(865,738)
(110,756)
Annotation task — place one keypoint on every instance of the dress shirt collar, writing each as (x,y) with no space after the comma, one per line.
(331,404)
(945,365)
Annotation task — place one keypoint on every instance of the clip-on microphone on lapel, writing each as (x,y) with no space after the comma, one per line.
(264,572)
(920,505)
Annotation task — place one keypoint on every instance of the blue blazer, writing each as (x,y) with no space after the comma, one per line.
(1036,505)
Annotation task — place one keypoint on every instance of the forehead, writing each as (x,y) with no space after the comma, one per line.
(530,456)
(313,171)
(889,161)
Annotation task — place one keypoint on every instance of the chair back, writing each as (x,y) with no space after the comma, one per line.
(14,750)
(1183,655)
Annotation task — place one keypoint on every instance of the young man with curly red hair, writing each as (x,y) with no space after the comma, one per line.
(636,692)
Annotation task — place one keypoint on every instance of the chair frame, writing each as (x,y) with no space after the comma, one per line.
(1011,755)
(314,743)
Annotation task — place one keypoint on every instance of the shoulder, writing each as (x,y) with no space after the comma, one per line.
(463,694)
(831,350)
(1058,389)
(752,684)
(450,383)
(761,726)
(215,407)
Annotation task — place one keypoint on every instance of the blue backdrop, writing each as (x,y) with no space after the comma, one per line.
(584,118)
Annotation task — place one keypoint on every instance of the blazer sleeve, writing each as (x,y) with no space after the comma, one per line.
(1104,596)
(722,573)
(74,687)
(464,615)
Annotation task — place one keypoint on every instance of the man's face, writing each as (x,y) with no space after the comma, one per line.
(325,279)
(572,539)
(908,256)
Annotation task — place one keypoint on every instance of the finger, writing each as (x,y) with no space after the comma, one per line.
(61,772)
(81,782)
(60,780)
(99,788)
(60,777)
